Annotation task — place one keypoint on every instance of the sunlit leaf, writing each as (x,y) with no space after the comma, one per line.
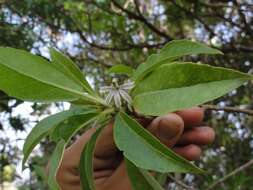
(146,151)
(176,86)
(29,77)
(170,52)
(68,67)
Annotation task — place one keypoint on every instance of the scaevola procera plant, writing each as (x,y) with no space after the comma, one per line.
(161,85)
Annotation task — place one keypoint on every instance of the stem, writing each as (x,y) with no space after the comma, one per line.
(180,183)
(90,91)
(107,111)
(227,109)
(95,99)
(237,170)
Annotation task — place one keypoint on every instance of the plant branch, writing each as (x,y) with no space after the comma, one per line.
(127,46)
(142,19)
(234,172)
(227,109)
(243,18)
(180,183)
(193,15)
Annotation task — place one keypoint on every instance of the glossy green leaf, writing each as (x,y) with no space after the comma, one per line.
(54,165)
(140,178)
(176,86)
(68,67)
(180,74)
(179,48)
(170,52)
(43,128)
(144,150)
(86,162)
(29,77)
(121,69)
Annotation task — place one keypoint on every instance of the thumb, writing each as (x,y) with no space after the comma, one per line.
(167,129)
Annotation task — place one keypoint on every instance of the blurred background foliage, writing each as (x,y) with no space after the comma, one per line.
(100,33)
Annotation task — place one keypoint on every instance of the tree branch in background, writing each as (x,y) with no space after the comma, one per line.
(180,183)
(227,109)
(127,47)
(243,18)
(237,170)
(196,17)
(141,18)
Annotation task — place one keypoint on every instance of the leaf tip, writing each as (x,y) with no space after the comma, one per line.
(219,52)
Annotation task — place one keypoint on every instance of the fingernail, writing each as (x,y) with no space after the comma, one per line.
(168,129)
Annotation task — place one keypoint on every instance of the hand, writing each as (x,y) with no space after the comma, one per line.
(181,131)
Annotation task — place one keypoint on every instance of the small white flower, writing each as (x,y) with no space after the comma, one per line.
(118,93)
(125,96)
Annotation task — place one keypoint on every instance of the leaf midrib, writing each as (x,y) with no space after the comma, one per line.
(48,83)
(204,83)
(145,141)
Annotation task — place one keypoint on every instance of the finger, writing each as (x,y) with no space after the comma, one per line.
(106,163)
(105,146)
(67,186)
(106,154)
(190,152)
(197,135)
(167,128)
(72,154)
(119,179)
(192,116)
(66,177)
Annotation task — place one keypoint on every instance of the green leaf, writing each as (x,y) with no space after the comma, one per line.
(86,162)
(179,48)
(43,128)
(71,125)
(148,153)
(180,74)
(40,172)
(170,52)
(66,135)
(140,178)
(176,86)
(121,69)
(68,67)
(54,165)
(161,178)
(29,77)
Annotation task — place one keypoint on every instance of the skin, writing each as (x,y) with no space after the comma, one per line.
(182,131)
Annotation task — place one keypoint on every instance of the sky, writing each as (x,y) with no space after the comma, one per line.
(25,110)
